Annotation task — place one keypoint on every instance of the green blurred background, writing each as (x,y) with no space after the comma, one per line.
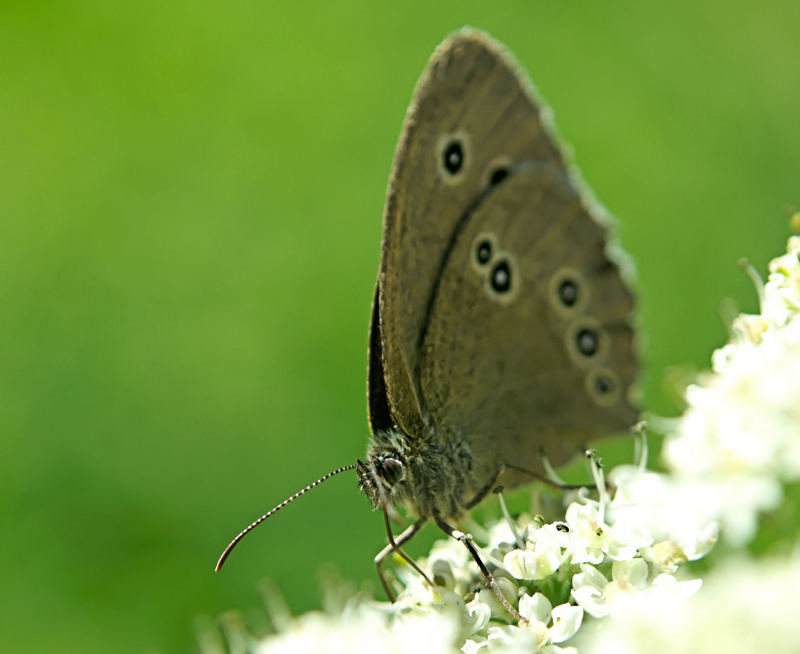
(190,212)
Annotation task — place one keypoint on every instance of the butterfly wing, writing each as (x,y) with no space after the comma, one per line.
(529,346)
(471,119)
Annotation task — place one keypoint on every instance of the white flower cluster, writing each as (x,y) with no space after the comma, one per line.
(737,443)
(586,564)
(607,578)
(362,628)
(731,456)
(744,607)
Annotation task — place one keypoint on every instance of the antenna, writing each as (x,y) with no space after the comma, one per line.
(255,524)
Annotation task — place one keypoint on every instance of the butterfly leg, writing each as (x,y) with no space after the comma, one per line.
(487,576)
(394,546)
(490,485)
(485,489)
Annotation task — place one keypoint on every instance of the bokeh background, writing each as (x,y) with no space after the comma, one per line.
(190,213)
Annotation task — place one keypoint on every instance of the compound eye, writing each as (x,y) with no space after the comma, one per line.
(392,471)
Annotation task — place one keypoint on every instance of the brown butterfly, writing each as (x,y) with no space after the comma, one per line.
(501,330)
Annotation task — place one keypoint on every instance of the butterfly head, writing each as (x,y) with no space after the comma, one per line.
(383,477)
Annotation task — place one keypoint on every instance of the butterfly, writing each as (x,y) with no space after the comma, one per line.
(501,334)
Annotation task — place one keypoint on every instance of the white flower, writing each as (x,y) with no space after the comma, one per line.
(478,616)
(782,290)
(567,619)
(597,595)
(544,552)
(546,627)
(654,508)
(447,563)
(743,607)
(666,556)
(667,583)
(591,538)
(510,639)
(363,630)
(600,597)
(563,620)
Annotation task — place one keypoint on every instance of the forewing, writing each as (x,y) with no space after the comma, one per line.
(471,97)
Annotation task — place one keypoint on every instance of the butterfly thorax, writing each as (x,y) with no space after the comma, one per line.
(425,476)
